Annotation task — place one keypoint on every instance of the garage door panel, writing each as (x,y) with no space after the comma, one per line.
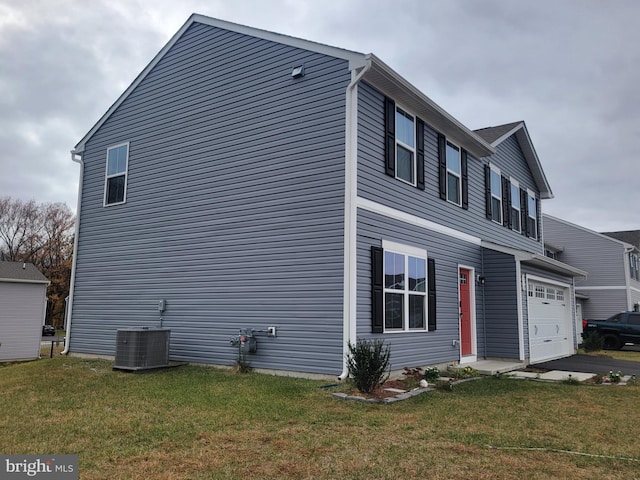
(550,322)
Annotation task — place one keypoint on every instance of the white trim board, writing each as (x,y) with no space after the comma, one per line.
(414,220)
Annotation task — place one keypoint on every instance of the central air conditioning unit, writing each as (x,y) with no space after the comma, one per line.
(142,348)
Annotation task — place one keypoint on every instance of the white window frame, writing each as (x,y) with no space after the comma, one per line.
(451,172)
(534,217)
(515,184)
(406,147)
(407,251)
(119,174)
(496,170)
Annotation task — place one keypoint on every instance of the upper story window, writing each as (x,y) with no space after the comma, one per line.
(454,174)
(532,215)
(115,186)
(405,146)
(515,206)
(496,195)
(634,265)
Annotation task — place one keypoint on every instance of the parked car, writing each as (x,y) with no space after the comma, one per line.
(621,328)
(48,330)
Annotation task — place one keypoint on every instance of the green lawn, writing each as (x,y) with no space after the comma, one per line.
(201,423)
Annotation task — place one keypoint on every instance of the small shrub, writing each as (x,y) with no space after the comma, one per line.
(368,364)
(412,376)
(466,372)
(615,377)
(431,374)
(592,342)
(571,381)
(597,379)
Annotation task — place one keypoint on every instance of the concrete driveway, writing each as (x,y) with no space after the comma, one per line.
(592,364)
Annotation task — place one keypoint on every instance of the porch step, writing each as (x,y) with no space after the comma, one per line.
(494,367)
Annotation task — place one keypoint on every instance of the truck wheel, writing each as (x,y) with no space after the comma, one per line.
(611,342)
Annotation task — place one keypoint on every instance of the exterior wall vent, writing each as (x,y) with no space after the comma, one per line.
(142,348)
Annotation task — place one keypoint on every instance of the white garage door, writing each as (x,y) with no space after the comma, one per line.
(550,321)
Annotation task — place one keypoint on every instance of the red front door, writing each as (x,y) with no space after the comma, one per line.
(466,345)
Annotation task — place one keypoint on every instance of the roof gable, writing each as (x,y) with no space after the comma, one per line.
(373,70)
(498,134)
(20,272)
(355,59)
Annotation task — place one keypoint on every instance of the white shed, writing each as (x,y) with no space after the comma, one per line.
(23,303)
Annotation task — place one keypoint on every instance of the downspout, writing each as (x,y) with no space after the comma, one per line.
(350,215)
(76,157)
(626,258)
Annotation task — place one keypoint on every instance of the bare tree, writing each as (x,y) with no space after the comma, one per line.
(41,234)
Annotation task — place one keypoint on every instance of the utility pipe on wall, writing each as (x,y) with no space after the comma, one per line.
(350,213)
(76,157)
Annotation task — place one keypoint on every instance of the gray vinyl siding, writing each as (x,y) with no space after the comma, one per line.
(234,211)
(21,318)
(601,304)
(417,348)
(501,305)
(375,185)
(602,257)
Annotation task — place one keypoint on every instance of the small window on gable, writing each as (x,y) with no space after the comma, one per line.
(405,146)
(532,215)
(115,187)
(454,174)
(496,195)
(515,206)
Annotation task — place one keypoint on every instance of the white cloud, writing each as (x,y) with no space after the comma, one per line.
(569,69)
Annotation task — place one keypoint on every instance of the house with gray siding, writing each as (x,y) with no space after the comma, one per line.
(23,305)
(249,180)
(613,265)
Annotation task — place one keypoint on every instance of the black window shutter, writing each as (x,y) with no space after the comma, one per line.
(506,204)
(538,236)
(465,180)
(442,165)
(390,136)
(431,294)
(524,207)
(377,290)
(420,154)
(487,190)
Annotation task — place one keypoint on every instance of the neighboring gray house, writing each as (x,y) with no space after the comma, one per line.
(628,236)
(23,304)
(248,179)
(613,266)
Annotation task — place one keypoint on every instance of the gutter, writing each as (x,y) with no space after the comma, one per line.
(75,157)
(350,215)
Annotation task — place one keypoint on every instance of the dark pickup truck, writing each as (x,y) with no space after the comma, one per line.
(621,328)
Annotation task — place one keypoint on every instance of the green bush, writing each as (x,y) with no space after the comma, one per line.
(431,374)
(368,364)
(592,342)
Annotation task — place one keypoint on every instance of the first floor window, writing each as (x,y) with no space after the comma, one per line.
(405,293)
(116,174)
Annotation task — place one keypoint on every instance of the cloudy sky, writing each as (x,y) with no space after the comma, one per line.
(569,68)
